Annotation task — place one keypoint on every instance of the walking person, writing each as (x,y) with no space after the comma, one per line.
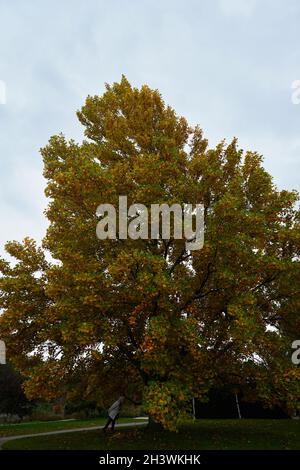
(113,413)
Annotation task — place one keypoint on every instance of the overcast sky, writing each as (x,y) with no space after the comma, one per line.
(225,64)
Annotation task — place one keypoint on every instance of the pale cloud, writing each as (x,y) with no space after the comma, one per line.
(2,92)
(227,65)
(22,204)
(244,8)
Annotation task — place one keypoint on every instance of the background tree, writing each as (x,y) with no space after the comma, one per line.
(146,317)
(13,401)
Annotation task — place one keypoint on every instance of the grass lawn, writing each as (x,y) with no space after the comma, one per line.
(45,426)
(198,435)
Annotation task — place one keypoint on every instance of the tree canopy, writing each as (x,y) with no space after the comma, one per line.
(147,317)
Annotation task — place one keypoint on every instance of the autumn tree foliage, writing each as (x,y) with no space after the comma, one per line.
(148,318)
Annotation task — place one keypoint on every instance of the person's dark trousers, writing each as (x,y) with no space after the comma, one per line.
(112,421)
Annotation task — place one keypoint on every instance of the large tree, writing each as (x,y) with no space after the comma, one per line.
(147,317)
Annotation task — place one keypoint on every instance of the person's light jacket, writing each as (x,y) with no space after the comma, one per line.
(114,410)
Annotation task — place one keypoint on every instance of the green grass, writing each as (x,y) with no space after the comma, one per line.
(45,426)
(198,435)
